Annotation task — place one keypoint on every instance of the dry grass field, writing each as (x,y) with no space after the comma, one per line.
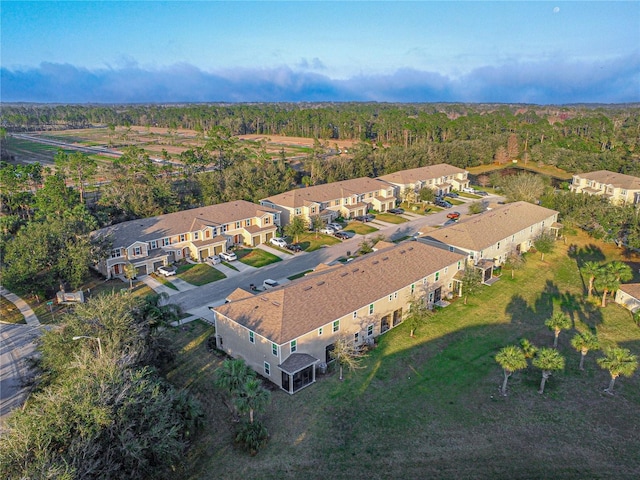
(429,406)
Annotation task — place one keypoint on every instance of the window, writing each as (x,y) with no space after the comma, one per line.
(293,345)
(274,349)
(390,297)
(166,241)
(356,337)
(267,220)
(247,222)
(459,264)
(498,246)
(153,244)
(451,249)
(446,269)
(430,297)
(137,251)
(320,331)
(370,330)
(224,228)
(238,224)
(183,237)
(214,231)
(371,309)
(413,285)
(297,211)
(252,338)
(116,253)
(196,235)
(267,369)
(336,324)
(395,295)
(313,209)
(355,314)
(336,203)
(437,276)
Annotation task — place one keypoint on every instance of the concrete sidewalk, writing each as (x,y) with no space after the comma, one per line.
(29,315)
(157,286)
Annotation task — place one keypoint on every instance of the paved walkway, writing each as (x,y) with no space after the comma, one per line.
(25,309)
(157,286)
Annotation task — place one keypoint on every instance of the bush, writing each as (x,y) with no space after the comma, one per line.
(252,436)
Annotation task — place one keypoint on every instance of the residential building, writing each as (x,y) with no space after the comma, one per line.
(441,178)
(284,334)
(346,198)
(619,188)
(628,295)
(150,243)
(488,238)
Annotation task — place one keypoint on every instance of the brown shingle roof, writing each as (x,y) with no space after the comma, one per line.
(482,231)
(606,177)
(632,289)
(405,177)
(302,306)
(153,228)
(329,191)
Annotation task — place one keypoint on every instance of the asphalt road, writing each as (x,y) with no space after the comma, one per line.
(214,293)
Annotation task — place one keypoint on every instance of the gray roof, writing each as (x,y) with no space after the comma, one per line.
(286,313)
(484,230)
(296,362)
(619,180)
(154,228)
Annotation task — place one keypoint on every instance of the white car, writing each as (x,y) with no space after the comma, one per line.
(167,271)
(327,230)
(278,242)
(269,283)
(213,259)
(335,226)
(228,256)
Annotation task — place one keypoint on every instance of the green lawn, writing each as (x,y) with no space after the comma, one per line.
(199,274)
(256,257)
(9,313)
(360,228)
(311,241)
(429,406)
(390,218)
(164,281)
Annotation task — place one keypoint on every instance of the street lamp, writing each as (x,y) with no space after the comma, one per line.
(91,338)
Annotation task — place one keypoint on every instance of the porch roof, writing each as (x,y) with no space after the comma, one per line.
(296,362)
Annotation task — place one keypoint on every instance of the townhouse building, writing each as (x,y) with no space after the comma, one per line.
(628,295)
(441,178)
(346,198)
(487,239)
(287,333)
(150,243)
(619,188)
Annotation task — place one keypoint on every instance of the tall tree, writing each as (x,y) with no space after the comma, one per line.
(514,261)
(346,354)
(606,282)
(548,360)
(418,314)
(523,186)
(583,342)
(544,243)
(558,322)
(618,361)
(511,359)
(591,270)
(471,282)
(252,397)
(296,227)
(130,272)
(78,167)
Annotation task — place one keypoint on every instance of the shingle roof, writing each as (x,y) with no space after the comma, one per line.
(300,307)
(619,180)
(329,191)
(632,289)
(482,231)
(405,177)
(153,228)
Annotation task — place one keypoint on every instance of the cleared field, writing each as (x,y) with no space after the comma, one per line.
(429,406)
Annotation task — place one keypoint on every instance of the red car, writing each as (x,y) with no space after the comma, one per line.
(453,215)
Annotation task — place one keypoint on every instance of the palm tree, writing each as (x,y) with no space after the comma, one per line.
(511,359)
(346,354)
(619,361)
(607,282)
(252,396)
(232,375)
(548,360)
(592,270)
(558,322)
(528,348)
(583,342)
(620,270)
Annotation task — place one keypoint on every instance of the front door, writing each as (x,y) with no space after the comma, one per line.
(437,295)
(327,353)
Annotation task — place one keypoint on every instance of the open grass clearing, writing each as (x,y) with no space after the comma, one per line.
(311,241)
(256,257)
(199,274)
(9,313)
(164,281)
(359,228)
(390,218)
(429,406)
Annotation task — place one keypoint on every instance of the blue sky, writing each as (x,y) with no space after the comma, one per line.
(417,51)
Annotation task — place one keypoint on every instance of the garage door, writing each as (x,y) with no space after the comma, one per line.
(142,270)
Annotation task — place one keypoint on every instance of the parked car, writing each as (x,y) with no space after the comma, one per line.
(365,218)
(443,204)
(269,283)
(397,211)
(451,221)
(335,226)
(451,195)
(482,193)
(167,270)
(228,256)
(469,190)
(327,230)
(278,242)
(294,247)
(213,259)
(341,235)
(455,215)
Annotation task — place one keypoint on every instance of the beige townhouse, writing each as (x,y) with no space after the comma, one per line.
(197,233)
(287,333)
(346,198)
(619,188)
(628,295)
(441,178)
(488,238)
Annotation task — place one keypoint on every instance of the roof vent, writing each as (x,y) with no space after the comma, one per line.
(264,299)
(375,262)
(402,252)
(410,248)
(307,288)
(355,270)
(320,283)
(385,258)
(344,274)
(276,304)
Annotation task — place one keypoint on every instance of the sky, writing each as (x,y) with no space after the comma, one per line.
(536,52)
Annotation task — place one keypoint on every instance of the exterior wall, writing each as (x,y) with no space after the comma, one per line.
(627,300)
(615,194)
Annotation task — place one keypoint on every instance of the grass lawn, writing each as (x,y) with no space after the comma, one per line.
(164,281)
(199,274)
(299,275)
(9,313)
(311,241)
(360,228)
(256,257)
(430,407)
(390,218)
